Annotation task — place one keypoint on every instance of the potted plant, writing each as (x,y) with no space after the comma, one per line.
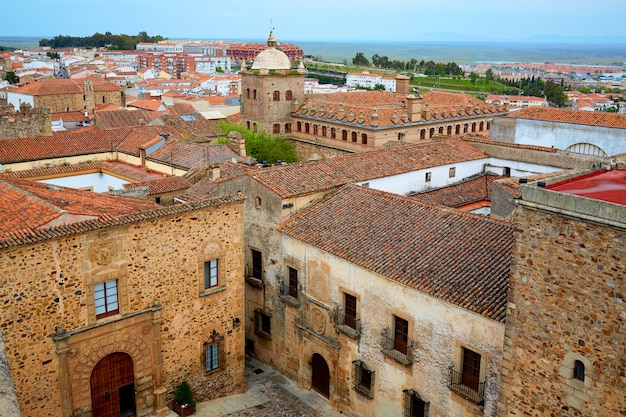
(184,404)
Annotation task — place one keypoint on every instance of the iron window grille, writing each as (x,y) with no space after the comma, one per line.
(363,379)
(414,405)
(467,382)
(349,324)
(403,351)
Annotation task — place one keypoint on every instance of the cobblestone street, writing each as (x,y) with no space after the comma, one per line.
(268,394)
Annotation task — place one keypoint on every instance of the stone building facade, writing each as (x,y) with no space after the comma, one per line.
(368,327)
(166,323)
(271,89)
(67,95)
(273,101)
(565,338)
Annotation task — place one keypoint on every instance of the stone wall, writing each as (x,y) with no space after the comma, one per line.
(566,303)
(62,103)
(308,150)
(166,315)
(24,122)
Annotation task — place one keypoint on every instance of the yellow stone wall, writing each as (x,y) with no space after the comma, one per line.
(50,283)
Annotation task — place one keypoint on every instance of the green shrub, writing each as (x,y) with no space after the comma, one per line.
(183,395)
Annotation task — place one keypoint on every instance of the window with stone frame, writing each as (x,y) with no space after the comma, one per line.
(452,172)
(288,95)
(106,299)
(276,128)
(293,283)
(400,335)
(579,370)
(263,323)
(211,274)
(213,348)
(257,264)
(414,405)
(363,379)
(287,127)
(276,95)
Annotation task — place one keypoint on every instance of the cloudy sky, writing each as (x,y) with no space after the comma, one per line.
(322,20)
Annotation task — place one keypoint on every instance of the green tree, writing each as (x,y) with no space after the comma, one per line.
(262,146)
(555,94)
(360,60)
(379,87)
(489,75)
(473,77)
(11,77)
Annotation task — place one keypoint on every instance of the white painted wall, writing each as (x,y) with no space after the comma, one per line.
(16,99)
(563,135)
(99,182)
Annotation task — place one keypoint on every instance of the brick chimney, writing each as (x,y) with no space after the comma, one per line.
(414,108)
(402,85)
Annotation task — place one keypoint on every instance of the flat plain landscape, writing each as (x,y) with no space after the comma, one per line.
(459,52)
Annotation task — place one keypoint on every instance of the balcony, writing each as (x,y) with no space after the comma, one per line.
(285,295)
(401,351)
(467,386)
(348,325)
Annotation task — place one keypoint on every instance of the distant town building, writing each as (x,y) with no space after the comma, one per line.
(516,101)
(370,81)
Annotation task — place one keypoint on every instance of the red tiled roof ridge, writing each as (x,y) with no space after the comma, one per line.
(26,236)
(31,196)
(580,117)
(316,176)
(388,244)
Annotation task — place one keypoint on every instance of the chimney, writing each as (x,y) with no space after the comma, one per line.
(402,85)
(214,172)
(414,108)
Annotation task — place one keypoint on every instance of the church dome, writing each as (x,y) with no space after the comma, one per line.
(271,58)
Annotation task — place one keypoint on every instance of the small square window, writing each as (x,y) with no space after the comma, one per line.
(452,172)
(414,406)
(210,274)
(428,176)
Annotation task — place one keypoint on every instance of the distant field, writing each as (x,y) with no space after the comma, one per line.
(471,52)
(461,84)
(459,52)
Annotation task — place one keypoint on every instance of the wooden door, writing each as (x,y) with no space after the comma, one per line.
(471,369)
(112,387)
(320,378)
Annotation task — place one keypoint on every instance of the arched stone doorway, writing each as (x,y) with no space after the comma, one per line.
(320,375)
(112,385)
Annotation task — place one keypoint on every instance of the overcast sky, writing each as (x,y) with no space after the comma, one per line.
(320,20)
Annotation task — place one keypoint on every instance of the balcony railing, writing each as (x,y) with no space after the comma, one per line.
(466,386)
(347,324)
(400,350)
(285,296)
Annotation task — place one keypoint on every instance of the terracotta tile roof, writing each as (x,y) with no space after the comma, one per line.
(60,144)
(33,205)
(189,155)
(579,117)
(159,186)
(206,188)
(359,107)
(14,236)
(65,86)
(147,104)
(115,119)
(315,176)
(452,255)
(457,195)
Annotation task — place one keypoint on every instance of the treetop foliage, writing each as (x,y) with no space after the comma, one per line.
(261,145)
(99,40)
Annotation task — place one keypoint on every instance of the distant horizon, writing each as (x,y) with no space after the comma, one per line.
(329,20)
